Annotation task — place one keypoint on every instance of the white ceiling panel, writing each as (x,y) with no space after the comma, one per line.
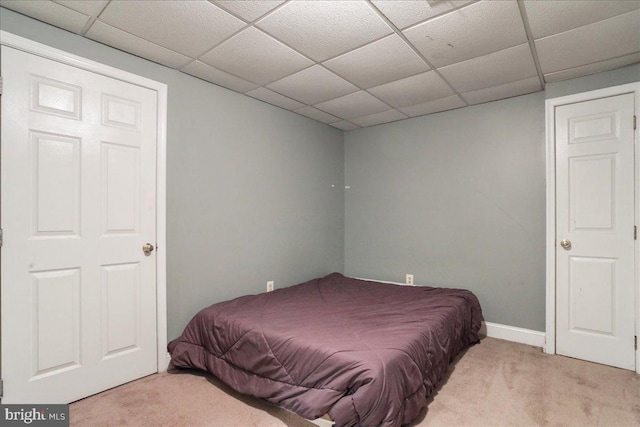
(353,105)
(249,10)
(119,39)
(266,95)
(379,118)
(53,13)
(256,57)
(219,77)
(404,13)
(466,33)
(344,61)
(184,26)
(504,66)
(413,90)
(508,90)
(315,114)
(324,29)
(344,125)
(611,38)
(442,104)
(552,17)
(597,67)
(379,62)
(91,8)
(313,85)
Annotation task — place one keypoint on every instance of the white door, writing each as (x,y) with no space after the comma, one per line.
(595,231)
(77,205)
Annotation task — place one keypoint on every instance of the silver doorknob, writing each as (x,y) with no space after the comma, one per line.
(566,244)
(147,249)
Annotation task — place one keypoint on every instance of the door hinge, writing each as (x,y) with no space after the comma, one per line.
(635,345)
(635,232)
(634,117)
(1,241)
(1,389)
(0,85)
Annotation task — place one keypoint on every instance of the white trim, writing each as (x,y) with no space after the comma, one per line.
(513,333)
(550,106)
(385,281)
(35,48)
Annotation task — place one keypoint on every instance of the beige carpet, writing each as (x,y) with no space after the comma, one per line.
(495,383)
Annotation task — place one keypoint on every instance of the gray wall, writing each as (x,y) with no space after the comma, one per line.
(458,200)
(249,195)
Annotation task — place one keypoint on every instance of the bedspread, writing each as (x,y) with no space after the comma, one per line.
(366,353)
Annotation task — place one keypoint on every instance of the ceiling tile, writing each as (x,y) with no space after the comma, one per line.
(509,65)
(466,33)
(379,118)
(345,125)
(603,40)
(413,90)
(442,104)
(256,57)
(378,62)
(597,67)
(219,77)
(508,90)
(404,13)
(313,85)
(249,10)
(91,8)
(552,17)
(316,114)
(119,39)
(184,26)
(274,98)
(353,105)
(324,29)
(49,12)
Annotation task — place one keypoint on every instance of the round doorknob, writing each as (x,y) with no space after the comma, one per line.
(566,244)
(147,249)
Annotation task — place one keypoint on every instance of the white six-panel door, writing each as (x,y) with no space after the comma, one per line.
(595,230)
(78,204)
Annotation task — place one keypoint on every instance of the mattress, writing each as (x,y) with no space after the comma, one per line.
(366,353)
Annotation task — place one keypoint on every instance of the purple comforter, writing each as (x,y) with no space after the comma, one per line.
(366,353)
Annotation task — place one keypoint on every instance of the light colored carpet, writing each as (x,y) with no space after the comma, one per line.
(495,383)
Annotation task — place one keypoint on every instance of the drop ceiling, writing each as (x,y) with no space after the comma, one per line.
(354,64)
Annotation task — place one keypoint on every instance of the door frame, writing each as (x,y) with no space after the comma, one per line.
(38,49)
(550,106)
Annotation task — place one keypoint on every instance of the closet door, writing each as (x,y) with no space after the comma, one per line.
(595,230)
(78,206)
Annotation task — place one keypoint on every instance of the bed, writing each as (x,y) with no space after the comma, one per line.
(366,353)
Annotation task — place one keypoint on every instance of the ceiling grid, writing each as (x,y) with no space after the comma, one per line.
(360,63)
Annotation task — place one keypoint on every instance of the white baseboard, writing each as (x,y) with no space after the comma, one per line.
(384,281)
(512,333)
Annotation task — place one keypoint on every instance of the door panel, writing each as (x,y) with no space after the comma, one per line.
(592,207)
(56,168)
(56,332)
(78,203)
(120,299)
(592,284)
(595,213)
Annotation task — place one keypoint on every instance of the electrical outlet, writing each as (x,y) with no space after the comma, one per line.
(270,286)
(409,280)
